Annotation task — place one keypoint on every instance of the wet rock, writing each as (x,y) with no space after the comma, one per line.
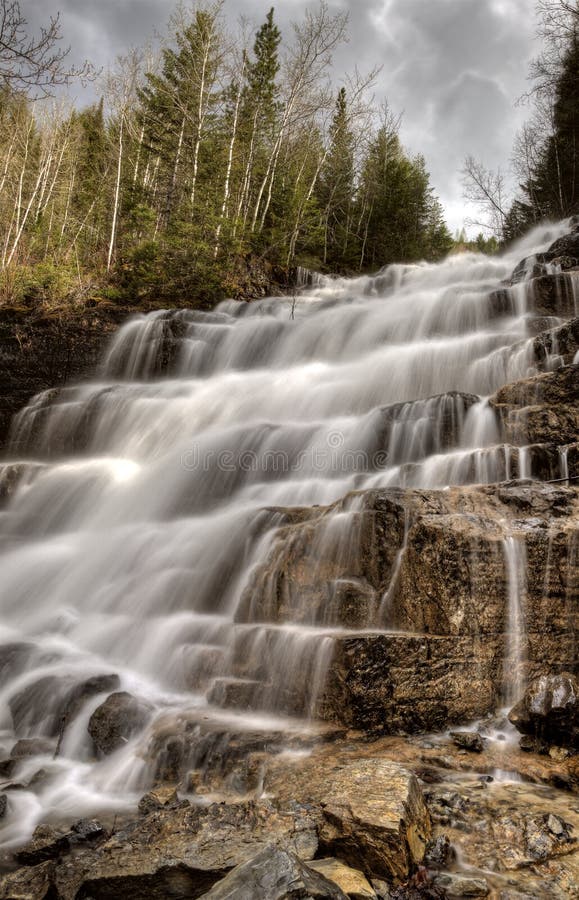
(3,805)
(439,853)
(277,875)
(455,886)
(34,883)
(116,720)
(54,700)
(78,696)
(374,818)
(468,740)
(163,797)
(32,747)
(38,353)
(46,843)
(182,853)
(351,881)
(541,409)
(549,710)
(87,830)
(567,245)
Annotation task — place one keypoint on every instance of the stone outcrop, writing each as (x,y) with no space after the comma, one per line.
(275,875)
(549,710)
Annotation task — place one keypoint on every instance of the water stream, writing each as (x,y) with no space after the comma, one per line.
(150,495)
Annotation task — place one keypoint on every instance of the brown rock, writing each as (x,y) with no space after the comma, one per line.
(374,818)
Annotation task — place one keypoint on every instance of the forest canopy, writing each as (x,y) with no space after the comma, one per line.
(221,161)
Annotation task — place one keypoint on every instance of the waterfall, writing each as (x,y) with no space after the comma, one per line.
(515,628)
(143,544)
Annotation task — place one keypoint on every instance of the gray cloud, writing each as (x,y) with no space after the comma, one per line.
(454,68)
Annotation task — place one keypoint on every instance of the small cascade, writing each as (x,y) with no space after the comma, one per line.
(515,627)
(564,463)
(187,527)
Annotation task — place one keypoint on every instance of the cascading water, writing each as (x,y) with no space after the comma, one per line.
(149,497)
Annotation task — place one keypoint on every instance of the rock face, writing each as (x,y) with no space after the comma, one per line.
(36,355)
(549,710)
(431,571)
(541,409)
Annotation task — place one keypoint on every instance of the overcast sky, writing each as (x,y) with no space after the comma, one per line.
(454,68)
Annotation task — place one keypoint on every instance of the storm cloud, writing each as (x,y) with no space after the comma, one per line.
(453,68)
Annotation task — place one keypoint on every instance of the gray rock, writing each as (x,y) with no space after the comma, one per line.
(116,720)
(275,874)
(455,886)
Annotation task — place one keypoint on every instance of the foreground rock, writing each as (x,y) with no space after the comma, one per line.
(549,710)
(275,875)
(183,852)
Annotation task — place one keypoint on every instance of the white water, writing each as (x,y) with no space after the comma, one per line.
(149,501)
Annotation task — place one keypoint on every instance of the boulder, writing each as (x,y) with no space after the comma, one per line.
(549,710)
(276,874)
(117,720)
(374,817)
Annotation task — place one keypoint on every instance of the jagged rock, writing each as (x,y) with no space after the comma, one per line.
(351,881)
(374,818)
(562,342)
(46,843)
(34,883)
(468,740)
(183,852)
(549,710)
(163,797)
(87,830)
(567,245)
(455,886)
(439,852)
(276,875)
(116,720)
